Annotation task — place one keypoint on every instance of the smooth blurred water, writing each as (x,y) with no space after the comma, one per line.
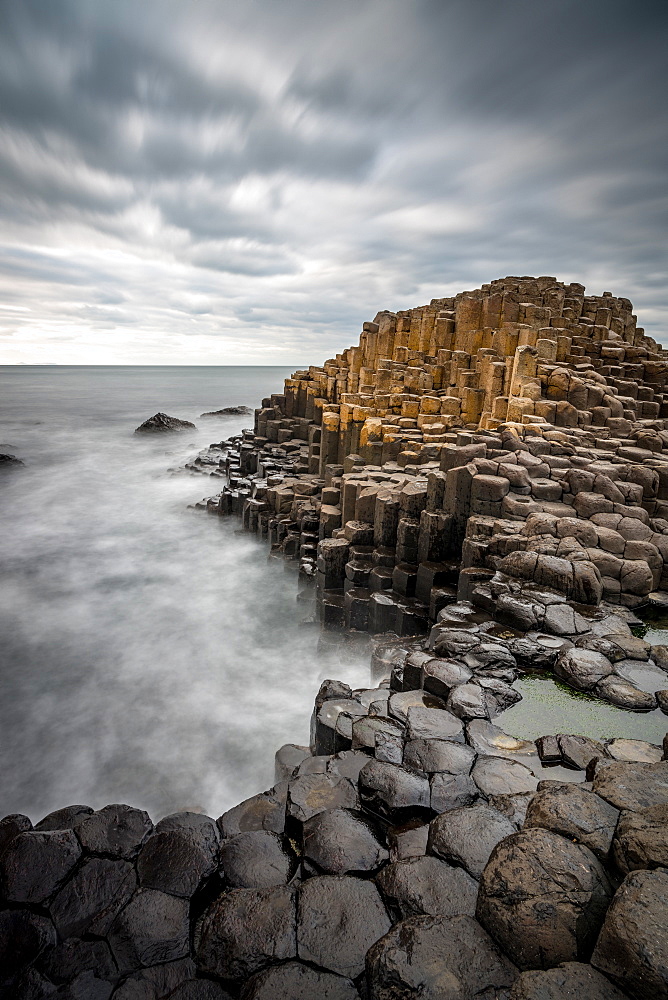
(149,654)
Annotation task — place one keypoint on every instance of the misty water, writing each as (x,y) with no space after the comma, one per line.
(150,654)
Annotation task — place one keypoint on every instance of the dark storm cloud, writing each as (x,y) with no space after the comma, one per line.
(285,169)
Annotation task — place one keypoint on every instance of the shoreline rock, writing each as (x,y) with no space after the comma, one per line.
(162,423)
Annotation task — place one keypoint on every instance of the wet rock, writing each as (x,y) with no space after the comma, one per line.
(408,840)
(468,836)
(87,986)
(152,929)
(402,703)
(158,981)
(11,826)
(632,948)
(29,985)
(543,899)
(570,979)
(257,859)
(575,813)
(227,411)
(514,806)
(433,723)
(437,958)
(392,791)
(245,930)
(621,692)
(632,786)
(440,676)
(174,861)
(24,936)
(348,764)
(265,811)
(578,751)
(90,901)
(641,840)
(468,701)
(201,829)
(294,981)
(63,819)
(439,755)
(287,760)
(450,791)
(488,739)
(338,919)
(312,793)
(427,885)
(35,865)
(582,668)
(199,989)
(116,830)
(341,842)
(72,957)
(500,776)
(9,461)
(634,750)
(161,423)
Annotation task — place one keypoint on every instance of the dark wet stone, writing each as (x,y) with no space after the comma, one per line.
(23,937)
(437,958)
(641,839)
(450,791)
(227,411)
(543,899)
(64,819)
(174,861)
(157,982)
(28,985)
(11,826)
(90,901)
(152,929)
(632,786)
(392,791)
(294,981)
(468,701)
(310,794)
(490,740)
(199,989)
(426,723)
(338,919)
(117,830)
(201,828)
(161,423)
(582,668)
(245,930)
(632,948)
(440,676)
(548,749)
(341,842)
(408,840)
(87,986)
(348,764)
(467,836)
(35,865)
(429,886)
(499,776)
(257,859)
(331,690)
(575,813)
(265,811)
(73,956)
(439,755)
(453,642)
(621,692)
(402,703)
(634,750)
(287,759)
(578,751)
(514,806)
(9,461)
(570,979)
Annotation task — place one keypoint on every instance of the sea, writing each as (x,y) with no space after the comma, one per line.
(150,653)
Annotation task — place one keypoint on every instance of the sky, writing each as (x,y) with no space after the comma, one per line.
(248,181)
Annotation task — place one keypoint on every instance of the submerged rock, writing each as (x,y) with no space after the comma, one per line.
(227,411)
(162,423)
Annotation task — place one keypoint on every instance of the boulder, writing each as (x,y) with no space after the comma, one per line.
(575,813)
(632,785)
(467,836)
(437,958)
(428,886)
(73,956)
(227,411)
(433,724)
(577,751)
(621,692)
(439,755)
(162,423)
(157,981)
(294,981)
(152,928)
(11,826)
(393,791)
(115,830)
(338,920)
(570,979)
(312,793)
(63,819)
(641,839)
(199,989)
(342,842)
(245,930)
(450,791)
(543,899)
(24,936)
(90,901)
(257,859)
(632,948)
(36,864)
(582,668)
(500,776)
(264,811)
(174,861)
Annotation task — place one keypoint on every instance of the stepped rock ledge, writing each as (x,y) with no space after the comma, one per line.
(476,490)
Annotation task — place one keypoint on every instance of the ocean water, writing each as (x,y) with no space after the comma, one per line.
(149,653)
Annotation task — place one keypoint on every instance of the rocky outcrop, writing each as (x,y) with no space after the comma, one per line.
(227,411)
(161,423)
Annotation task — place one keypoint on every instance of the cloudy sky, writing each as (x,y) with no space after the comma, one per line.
(247,181)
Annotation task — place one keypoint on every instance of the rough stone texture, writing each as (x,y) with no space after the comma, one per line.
(35,864)
(468,836)
(570,979)
(161,423)
(632,948)
(174,861)
(158,981)
(63,819)
(257,859)
(338,919)
(199,989)
(641,840)
(23,937)
(294,981)
(543,899)
(92,898)
(427,886)
(265,811)
(582,668)
(633,785)
(437,958)
(152,929)
(245,930)
(575,813)
(391,790)
(115,830)
(341,842)
(498,776)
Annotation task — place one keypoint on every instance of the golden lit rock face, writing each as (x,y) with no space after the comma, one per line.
(529,351)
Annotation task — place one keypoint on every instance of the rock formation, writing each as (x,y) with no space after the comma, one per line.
(162,423)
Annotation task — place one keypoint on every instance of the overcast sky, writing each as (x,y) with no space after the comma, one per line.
(247,181)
